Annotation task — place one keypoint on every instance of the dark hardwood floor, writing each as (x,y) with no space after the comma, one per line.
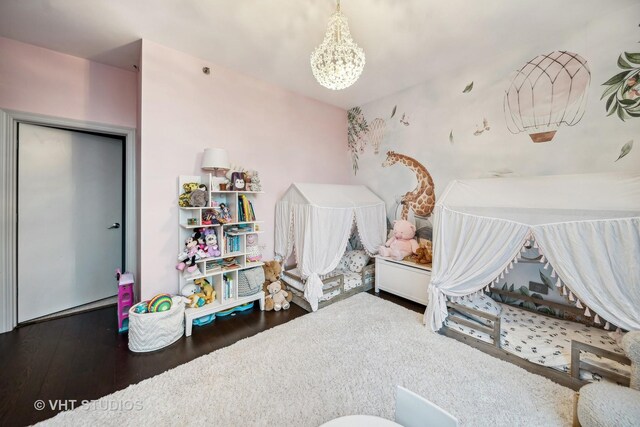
(82,357)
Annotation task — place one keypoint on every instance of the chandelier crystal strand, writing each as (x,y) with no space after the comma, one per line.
(338,62)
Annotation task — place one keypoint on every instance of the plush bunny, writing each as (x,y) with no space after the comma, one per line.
(402,242)
(255,182)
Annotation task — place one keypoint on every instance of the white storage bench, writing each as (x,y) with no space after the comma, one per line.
(406,279)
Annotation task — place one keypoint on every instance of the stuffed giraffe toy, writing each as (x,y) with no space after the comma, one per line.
(423,198)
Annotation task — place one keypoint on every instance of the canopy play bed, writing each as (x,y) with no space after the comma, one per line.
(587,228)
(315,222)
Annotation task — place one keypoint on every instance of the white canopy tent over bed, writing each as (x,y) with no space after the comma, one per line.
(586,226)
(317,220)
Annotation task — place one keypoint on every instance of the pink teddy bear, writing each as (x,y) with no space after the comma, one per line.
(402,243)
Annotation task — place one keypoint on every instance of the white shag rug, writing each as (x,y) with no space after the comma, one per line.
(345,359)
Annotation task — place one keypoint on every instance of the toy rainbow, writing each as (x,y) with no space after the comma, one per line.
(159,303)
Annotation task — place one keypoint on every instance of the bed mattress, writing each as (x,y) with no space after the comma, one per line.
(547,341)
(351,280)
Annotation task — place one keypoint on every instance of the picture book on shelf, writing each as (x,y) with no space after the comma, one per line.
(231,243)
(245,209)
(228,287)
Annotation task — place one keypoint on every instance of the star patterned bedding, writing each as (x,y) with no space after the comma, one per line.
(547,341)
(351,280)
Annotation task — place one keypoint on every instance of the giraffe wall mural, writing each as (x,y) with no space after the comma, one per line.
(422,199)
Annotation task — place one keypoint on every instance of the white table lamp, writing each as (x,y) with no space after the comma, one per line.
(215,159)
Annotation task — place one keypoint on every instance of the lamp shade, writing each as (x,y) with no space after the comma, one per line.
(215,158)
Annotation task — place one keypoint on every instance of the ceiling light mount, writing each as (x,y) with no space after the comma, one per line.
(338,61)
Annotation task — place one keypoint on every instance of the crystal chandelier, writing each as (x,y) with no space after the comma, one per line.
(338,61)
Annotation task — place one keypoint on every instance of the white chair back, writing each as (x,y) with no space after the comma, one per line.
(413,410)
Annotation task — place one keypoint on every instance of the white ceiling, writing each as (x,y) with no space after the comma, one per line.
(406,41)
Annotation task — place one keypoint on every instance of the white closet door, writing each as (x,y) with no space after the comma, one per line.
(69,194)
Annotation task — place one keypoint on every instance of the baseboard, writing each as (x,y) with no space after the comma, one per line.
(92,306)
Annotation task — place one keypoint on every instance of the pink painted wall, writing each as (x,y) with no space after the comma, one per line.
(285,136)
(42,81)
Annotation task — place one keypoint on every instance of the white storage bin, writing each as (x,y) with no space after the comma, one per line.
(153,331)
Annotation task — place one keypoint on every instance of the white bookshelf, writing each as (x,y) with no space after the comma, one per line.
(208,267)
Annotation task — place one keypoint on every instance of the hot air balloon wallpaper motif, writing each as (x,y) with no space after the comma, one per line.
(548,91)
(376,133)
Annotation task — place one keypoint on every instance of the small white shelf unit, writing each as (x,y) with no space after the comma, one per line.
(212,268)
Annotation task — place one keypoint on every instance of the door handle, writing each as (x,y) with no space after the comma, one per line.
(115,225)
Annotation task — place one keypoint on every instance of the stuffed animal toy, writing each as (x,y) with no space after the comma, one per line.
(272,270)
(253,250)
(248,178)
(401,243)
(428,251)
(202,245)
(191,253)
(184,200)
(233,169)
(237,181)
(199,197)
(277,296)
(212,243)
(423,254)
(225,214)
(207,290)
(194,296)
(255,182)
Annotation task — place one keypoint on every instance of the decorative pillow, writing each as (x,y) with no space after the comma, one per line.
(480,302)
(356,260)
(343,264)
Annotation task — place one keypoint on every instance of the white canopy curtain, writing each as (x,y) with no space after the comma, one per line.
(316,220)
(587,226)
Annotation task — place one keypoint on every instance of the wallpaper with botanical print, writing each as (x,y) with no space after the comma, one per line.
(554,105)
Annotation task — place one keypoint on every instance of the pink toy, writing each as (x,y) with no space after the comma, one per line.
(402,243)
(212,243)
(190,254)
(253,250)
(125,299)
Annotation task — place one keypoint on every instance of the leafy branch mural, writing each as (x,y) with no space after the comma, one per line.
(623,89)
(356,135)
(360,133)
